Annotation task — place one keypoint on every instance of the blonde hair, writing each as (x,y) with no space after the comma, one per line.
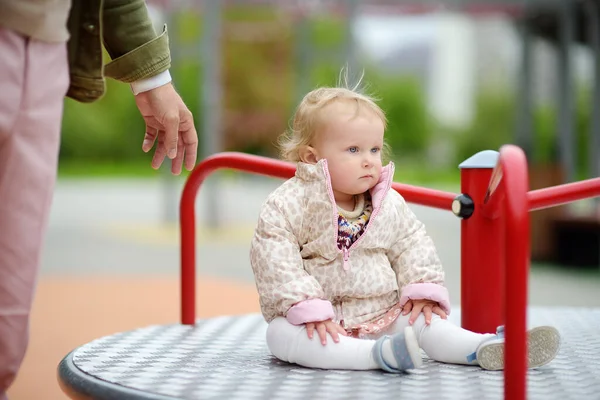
(306,117)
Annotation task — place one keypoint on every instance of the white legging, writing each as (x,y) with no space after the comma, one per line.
(441,340)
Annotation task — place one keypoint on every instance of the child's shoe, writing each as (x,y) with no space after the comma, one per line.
(542,344)
(405,349)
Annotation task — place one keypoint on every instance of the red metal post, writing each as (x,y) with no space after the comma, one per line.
(516,214)
(482,250)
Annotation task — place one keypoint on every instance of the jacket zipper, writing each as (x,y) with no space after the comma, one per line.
(332,200)
(346,253)
(346,250)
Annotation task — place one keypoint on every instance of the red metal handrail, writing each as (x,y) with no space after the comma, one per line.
(263,166)
(187,214)
(508,193)
(509,186)
(562,194)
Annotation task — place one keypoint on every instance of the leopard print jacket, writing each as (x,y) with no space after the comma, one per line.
(296,261)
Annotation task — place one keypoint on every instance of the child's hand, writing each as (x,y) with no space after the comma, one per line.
(427,306)
(322,328)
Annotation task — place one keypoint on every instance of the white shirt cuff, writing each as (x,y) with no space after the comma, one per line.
(143,85)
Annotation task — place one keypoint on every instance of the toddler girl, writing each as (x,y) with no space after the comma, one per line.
(347,276)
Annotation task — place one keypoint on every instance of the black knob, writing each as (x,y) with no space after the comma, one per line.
(463,206)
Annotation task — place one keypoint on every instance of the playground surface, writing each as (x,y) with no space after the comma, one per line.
(111,264)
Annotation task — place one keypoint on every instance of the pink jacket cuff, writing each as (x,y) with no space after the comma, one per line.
(311,310)
(426,291)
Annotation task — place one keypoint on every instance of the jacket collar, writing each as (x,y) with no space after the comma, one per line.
(319,172)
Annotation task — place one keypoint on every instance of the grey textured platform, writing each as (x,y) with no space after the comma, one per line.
(227,358)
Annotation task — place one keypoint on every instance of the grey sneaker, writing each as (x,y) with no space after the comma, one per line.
(543,343)
(405,348)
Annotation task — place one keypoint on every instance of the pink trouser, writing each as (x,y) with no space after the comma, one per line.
(33,82)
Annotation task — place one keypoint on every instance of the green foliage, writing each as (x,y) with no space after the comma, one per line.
(324,74)
(257,79)
(187,28)
(109,130)
(582,129)
(492,126)
(401,98)
(409,126)
(545,150)
(260,82)
(327,32)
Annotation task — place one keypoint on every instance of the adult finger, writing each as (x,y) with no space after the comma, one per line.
(149,138)
(171,135)
(159,153)
(178,161)
(322,330)
(190,139)
(310,329)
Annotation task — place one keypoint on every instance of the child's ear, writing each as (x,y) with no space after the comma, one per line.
(308,155)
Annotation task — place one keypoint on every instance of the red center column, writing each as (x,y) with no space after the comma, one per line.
(482,241)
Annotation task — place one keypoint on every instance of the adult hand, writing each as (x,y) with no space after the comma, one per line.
(169,124)
(428,307)
(322,328)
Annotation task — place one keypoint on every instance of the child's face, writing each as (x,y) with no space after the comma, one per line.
(351,143)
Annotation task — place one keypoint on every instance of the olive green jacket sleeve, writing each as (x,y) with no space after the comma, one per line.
(131,42)
(125,29)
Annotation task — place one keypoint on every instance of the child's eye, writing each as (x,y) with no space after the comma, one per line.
(353,149)
(375,149)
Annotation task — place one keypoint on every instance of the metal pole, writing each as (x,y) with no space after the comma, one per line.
(303,55)
(481,250)
(593,13)
(524,128)
(350,45)
(211,98)
(565,90)
(516,250)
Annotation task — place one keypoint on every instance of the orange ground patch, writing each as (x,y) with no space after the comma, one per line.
(69,312)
